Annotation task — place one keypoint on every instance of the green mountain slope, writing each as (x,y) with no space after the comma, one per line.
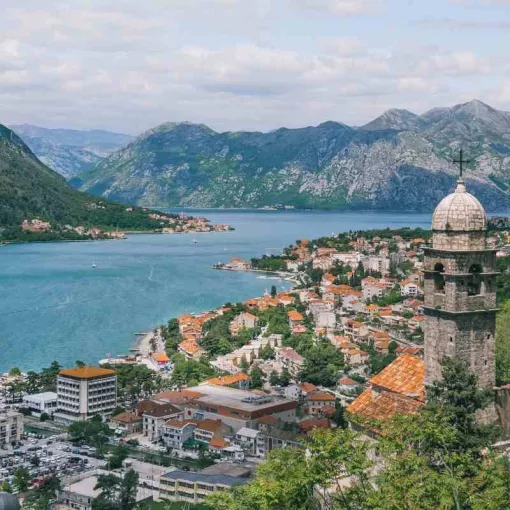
(29,189)
(398,161)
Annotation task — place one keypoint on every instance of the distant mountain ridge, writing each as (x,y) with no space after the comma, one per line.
(30,190)
(398,161)
(69,151)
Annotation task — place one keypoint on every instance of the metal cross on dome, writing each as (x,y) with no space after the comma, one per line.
(461,162)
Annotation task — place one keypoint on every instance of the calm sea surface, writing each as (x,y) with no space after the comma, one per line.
(54,305)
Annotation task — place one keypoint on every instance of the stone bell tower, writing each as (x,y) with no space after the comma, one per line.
(460,289)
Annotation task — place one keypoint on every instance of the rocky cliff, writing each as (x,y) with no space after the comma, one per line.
(399,161)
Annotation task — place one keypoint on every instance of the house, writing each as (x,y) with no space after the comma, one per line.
(155,414)
(175,433)
(238,264)
(291,360)
(416,322)
(306,388)
(346,384)
(126,424)
(374,290)
(408,288)
(398,389)
(160,359)
(311,424)
(356,357)
(245,320)
(317,401)
(211,431)
(40,403)
(295,318)
(247,439)
(191,349)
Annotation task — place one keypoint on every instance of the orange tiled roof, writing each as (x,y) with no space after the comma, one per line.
(210,425)
(227,380)
(190,346)
(321,396)
(127,417)
(310,424)
(269,419)
(347,381)
(86,372)
(307,387)
(383,405)
(160,357)
(295,316)
(405,375)
(217,442)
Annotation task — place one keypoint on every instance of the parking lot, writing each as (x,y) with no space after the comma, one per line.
(43,457)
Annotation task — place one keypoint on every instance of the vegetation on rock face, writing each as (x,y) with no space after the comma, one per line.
(389,164)
(29,190)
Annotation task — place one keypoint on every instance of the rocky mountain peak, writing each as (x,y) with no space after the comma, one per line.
(395,118)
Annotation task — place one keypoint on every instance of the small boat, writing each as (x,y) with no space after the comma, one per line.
(94,266)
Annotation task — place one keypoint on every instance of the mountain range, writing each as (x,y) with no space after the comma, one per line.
(29,189)
(398,161)
(69,151)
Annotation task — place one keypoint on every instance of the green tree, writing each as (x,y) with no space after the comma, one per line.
(458,396)
(40,498)
(274,379)
(44,417)
(128,490)
(32,382)
(256,377)
(119,455)
(15,372)
(285,378)
(267,352)
(21,479)
(244,365)
(79,363)
(5,487)
(503,344)
(273,291)
(92,432)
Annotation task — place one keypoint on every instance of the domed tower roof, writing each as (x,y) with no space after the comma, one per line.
(8,501)
(459,212)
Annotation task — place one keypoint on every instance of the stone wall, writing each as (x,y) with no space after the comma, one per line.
(466,336)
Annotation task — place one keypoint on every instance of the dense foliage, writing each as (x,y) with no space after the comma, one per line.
(28,189)
(437,458)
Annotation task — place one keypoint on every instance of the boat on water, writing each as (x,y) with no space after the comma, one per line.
(94,266)
(195,241)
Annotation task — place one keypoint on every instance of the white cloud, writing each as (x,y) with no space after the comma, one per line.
(341,7)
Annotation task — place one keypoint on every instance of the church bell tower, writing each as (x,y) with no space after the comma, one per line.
(460,289)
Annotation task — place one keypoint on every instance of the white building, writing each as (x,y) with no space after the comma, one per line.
(83,392)
(41,402)
(11,427)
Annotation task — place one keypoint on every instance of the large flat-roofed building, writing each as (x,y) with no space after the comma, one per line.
(195,487)
(83,392)
(11,427)
(237,408)
(41,402)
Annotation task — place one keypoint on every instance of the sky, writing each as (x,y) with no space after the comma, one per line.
(129,65)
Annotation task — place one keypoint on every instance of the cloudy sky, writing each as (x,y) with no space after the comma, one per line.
(127,65)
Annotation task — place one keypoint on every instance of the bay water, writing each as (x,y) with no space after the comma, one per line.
(55,305)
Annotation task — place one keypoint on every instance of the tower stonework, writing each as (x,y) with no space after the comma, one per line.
(460,289)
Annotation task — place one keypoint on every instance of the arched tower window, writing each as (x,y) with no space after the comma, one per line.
(438,277)
(474,280)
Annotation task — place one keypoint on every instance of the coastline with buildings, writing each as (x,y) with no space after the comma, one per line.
(364,327)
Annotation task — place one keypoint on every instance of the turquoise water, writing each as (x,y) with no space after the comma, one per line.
(54,305)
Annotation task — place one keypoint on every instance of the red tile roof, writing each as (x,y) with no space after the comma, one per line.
(405,375)
(87,372)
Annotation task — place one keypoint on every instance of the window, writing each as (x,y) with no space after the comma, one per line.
(474,280)
(438,277)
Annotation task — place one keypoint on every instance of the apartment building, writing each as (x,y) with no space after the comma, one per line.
(83,392)
(11,427)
